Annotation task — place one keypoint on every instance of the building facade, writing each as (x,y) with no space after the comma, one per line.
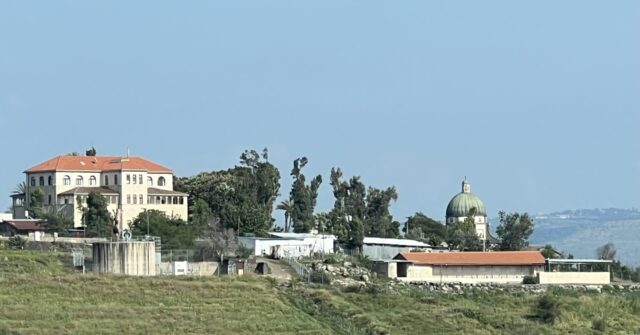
(130,186)
(464,204)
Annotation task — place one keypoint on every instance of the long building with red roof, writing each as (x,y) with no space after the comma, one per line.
(130,186)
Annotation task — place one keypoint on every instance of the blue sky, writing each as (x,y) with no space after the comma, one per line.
(536,103)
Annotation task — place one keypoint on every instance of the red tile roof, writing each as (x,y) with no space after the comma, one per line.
(31,225)
(97,163)
(474,258)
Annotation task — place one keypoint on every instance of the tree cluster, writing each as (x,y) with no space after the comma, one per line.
(241,198)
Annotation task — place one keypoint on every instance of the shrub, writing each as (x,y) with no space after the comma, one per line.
(320,277)
(16,242)
(548,309)
(599,324)
(530,280)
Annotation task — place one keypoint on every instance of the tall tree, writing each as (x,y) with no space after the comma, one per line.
(514,230)
(424,228)
(36,203)
(607,251)
(200,215)
(96,216)
(378,221)
(287,207)
(303,196)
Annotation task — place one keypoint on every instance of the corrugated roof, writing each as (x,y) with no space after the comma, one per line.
(475,258)
(24,224)
(394,241)
(97,163)
(301,235)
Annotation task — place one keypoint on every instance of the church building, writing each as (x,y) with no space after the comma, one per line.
(465,203)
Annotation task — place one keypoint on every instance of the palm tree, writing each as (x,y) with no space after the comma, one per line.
(287,207)
(20,188)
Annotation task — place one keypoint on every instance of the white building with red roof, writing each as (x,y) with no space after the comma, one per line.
(129,184)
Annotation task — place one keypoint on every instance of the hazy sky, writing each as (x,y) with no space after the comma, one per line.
(536,103)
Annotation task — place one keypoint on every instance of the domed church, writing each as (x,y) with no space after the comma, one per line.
(462,204)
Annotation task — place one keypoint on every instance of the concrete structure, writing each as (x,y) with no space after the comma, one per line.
(377,248)
(129,184)
(134,258)
(504,267)
(576,271)
(462,205)
(189,268)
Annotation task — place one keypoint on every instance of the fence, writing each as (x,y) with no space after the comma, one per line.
(299,268)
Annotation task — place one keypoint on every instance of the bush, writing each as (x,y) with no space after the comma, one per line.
(16,242)
(599,324)
(548,309)
(530,280)
(320,277)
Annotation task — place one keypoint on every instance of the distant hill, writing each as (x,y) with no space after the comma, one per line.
(581,232)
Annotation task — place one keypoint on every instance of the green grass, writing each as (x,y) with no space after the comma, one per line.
(40,294)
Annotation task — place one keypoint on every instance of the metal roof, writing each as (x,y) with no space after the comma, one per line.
(474,258)
(578,261)
(395,242)
(302,236)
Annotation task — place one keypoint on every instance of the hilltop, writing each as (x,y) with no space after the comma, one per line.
(40,294)
(581,232)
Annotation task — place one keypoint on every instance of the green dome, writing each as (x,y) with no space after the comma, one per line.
(463,202)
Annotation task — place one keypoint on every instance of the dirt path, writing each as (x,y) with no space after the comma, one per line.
(280,270)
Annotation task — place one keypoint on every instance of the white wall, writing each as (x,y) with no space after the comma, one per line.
(587,278)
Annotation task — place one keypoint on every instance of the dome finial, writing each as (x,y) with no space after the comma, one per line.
(466,187)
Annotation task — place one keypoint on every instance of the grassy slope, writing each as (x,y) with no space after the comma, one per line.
(39,295)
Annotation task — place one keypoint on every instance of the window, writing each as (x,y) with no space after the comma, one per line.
(50,199)
(66,180)
(41,181)
(135,179)
(149,181)
(115,179)
(141,199)
(128,179)
(79,180)
(106,180)
(181,201)
(128,199)
(49,181)
(135,199)
(92,180)
(161,181)
(140,179)
(149,199)
(33,181)
(66,201)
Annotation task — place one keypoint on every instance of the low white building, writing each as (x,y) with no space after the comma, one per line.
(281,245)
(503,267)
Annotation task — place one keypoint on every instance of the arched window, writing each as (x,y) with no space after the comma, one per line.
(41,180)
(149,181)
(161,181)
(79,180)
(50,181)
(66,180)
(115,179)
(33,181)
(92,180)
(106,180)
